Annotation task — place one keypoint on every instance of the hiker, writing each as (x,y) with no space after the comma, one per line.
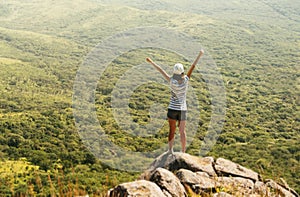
(177,109)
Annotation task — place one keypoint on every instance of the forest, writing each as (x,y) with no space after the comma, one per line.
(44,45)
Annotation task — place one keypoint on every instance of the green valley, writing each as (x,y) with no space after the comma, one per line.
(255,45)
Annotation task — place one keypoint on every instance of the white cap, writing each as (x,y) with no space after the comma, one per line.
(178,69)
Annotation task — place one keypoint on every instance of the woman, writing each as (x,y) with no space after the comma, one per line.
(177,107)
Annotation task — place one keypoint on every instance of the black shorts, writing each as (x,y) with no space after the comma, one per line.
(176,114)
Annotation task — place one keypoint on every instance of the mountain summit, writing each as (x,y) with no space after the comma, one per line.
(182,175)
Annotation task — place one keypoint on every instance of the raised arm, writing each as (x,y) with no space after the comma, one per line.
(189,73)
(165,75)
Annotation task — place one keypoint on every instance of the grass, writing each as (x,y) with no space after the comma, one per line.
(20,178)
(15,174)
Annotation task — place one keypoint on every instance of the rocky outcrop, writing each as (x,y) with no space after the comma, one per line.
(182,175)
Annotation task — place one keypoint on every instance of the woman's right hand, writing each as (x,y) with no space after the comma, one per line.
(148,59)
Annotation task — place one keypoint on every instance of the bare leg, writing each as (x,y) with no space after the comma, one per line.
(172,124)
(181,126)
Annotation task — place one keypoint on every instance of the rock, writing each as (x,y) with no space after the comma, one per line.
(195,164)
(226,167)
(239,186)
(198,182)
(278,189)
(168,182)
(286,186)
(203,174)
(182,175)
(137,188)
(182,160)
(261,189)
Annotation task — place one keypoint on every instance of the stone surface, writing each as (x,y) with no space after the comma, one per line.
(241,186)
(168,182)
(280,190)
(284,184)
(226,167)
(182,160)
(193,163)
(198,182)
(140,188)
(182,175)
(261,188)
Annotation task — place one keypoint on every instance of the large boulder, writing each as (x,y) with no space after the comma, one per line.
(168,182)
(229,168)
(137,188)
(199,182)
(176,161)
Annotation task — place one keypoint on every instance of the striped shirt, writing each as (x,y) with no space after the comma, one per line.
(178,94)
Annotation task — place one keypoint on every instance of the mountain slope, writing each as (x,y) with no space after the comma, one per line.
(254,44)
